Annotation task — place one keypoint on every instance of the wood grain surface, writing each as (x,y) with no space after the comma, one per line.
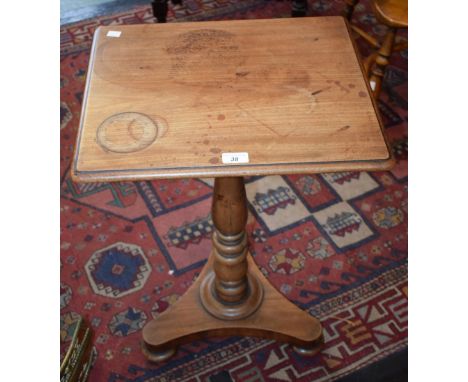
(167,100)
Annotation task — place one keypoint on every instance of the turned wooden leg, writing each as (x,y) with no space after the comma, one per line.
(349,9)
(381,62)
(368,62)
(299,8)
(231,296)
(160,10)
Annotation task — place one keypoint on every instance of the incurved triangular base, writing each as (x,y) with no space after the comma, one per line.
(187,320)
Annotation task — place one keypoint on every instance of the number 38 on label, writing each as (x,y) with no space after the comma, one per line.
(235,158)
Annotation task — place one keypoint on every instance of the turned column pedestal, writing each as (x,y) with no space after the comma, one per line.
(231,296)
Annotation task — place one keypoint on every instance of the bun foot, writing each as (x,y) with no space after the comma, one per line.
(156,355)
(310,351)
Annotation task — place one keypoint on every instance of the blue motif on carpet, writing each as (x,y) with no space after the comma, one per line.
(117,269)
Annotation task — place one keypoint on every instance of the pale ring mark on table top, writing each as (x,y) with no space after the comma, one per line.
(129,132)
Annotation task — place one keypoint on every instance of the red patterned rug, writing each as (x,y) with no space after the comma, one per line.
(337,248)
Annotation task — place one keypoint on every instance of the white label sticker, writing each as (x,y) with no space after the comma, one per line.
(235,158)
(114,33)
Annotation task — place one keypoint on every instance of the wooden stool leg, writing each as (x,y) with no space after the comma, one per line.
(381,62)
(160,8)
(231,296)
(368,62)
(349,9)
(299,8)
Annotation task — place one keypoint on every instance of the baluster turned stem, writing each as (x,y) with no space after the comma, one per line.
(229,291)
(229,213)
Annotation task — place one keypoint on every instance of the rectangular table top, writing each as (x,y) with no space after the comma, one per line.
(226,98)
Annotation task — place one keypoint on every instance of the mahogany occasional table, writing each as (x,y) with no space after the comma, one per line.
(227,99)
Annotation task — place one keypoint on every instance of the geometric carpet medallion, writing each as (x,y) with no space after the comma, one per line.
(117,270)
